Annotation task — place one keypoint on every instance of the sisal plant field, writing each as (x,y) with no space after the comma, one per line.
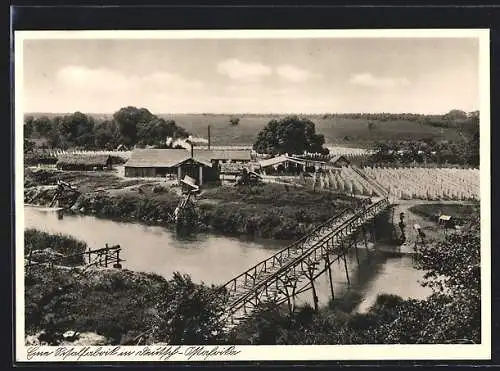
(405,183)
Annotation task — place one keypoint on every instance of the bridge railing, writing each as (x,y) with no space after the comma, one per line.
(98,253)
(278,258)
(370,211)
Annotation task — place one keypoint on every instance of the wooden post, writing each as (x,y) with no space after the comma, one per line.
(327,262)
(90,255)
(293,295)
(345,266)
(106,254)
(315,296)
(355,241)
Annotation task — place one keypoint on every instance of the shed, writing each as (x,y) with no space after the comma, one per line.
(339,161)
(292,165)
(122,147)
(175,163)
(84,161)
(224,156)
(231,169)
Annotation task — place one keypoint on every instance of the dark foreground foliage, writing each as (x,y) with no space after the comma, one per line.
(126,307)
(451,314)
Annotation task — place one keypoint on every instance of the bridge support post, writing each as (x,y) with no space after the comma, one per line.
(364,237)
(355,242)
(288,296)
(106,253)
(328,266)
(372,231)
(345,263)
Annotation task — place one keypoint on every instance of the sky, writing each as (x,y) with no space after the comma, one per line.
(334,75)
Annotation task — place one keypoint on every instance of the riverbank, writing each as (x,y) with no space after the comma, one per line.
(262,211)
(112,306)
(109,306)
(123,306)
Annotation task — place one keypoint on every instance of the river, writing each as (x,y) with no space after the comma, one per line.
(215,259)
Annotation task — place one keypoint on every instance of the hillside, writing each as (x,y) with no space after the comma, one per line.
(335,129)
(343,130)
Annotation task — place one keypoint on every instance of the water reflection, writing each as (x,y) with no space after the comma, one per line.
(216,259)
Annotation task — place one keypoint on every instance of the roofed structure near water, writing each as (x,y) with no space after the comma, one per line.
(158,157)
(170,163)
(339,160)
(239,155)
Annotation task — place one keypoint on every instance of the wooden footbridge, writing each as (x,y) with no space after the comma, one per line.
(292,270)
(104,257)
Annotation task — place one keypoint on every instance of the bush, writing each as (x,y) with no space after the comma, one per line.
(62,244)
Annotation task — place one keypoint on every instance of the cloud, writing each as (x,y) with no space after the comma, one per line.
(243,71)
(84,77)
(102,79)
(367,79)
(293,73)
(169,79)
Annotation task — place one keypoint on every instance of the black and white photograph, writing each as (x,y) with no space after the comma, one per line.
(213,195)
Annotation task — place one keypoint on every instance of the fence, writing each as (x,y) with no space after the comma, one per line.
(104,257)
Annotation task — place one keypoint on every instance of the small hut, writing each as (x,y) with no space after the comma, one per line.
(86,162)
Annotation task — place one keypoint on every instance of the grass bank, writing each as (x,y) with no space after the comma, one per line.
(114,303)
(455,210)
(43,246)
(262,211)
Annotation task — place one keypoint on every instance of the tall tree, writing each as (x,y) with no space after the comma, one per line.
(292,135)
(188,313)
(28,126)
(106,135)
(77,129)
(42,125)
(127,119)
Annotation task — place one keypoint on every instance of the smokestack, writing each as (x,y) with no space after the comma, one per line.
(208,137)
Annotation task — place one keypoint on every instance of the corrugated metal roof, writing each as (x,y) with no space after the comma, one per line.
(162,158)
(279,160)
(273,161)
(173,157)
(236,155)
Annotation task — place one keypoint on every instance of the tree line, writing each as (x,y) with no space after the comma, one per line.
(464,152)
(128,126)
(432,119)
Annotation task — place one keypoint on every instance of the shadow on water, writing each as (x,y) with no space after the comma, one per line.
(371,263)
(216,258)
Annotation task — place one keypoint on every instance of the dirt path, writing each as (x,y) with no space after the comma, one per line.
(430,228)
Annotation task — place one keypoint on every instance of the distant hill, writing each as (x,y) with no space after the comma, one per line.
(339,129)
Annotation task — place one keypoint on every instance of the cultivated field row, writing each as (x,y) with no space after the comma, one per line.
(428,183)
